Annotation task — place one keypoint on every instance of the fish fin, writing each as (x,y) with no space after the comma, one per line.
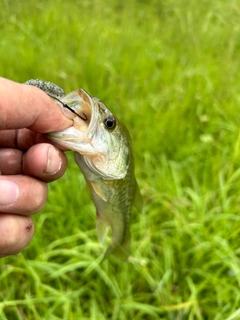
(95,188)
(120,251)
(138,199)
(102,229)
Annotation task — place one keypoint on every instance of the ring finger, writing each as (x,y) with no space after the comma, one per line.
(22,194)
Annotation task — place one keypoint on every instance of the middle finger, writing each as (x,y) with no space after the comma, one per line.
(10,161)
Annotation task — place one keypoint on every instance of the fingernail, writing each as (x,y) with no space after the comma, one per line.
(54,162)
(9,192)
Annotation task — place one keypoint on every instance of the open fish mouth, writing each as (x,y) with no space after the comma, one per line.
(83,110)
(81,105)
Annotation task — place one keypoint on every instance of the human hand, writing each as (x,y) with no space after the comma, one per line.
(27,159)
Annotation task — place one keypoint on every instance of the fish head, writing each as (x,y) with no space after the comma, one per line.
(102,141)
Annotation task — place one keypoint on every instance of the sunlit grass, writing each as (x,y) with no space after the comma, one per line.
(170,71)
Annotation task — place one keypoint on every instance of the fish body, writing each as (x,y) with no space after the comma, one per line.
(113,200)
(103,151)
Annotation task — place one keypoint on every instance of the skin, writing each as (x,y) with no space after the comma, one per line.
(28,161)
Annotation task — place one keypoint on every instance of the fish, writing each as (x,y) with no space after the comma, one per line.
(103,152)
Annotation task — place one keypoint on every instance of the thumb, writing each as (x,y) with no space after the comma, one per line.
(24,106)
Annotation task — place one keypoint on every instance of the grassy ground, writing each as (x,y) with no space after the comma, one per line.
(170,70)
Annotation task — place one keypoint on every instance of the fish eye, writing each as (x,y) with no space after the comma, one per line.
(110,123)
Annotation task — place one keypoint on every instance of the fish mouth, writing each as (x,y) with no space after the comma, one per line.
(83,110)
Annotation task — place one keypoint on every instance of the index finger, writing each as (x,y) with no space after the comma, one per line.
(24,106)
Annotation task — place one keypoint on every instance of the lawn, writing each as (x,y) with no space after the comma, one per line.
(169,69)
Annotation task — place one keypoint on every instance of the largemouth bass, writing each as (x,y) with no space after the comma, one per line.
(103,151)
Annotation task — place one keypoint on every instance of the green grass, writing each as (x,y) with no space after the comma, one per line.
(170,71)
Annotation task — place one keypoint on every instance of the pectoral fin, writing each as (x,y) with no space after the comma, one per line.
(94,187)
(102,229)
